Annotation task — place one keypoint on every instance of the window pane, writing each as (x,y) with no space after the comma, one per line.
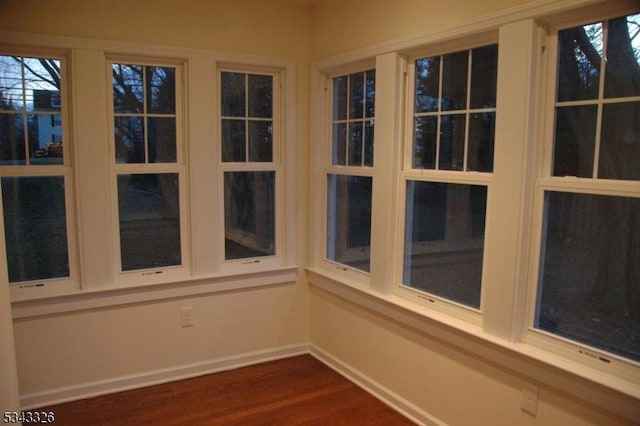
(425,139)
(444,240)
(128,88)
(162,140)
(620,142)
(427,84)
(260,96)
(149,214)
(368,143)
(573,153)
(579,56)
(482,130)
(370,107)
(161,90)
(484,76)
(589,277)
(249,214)
(622,76)
(35,227)
(339,148)
(355,144)
(11,94)
(233,94)
(349,220)
(12,139)
(42,84)
(129,138)
(340,98)
(234,140)
(260,141)
(356,95)
(454,81)
(452,128)
(45,139)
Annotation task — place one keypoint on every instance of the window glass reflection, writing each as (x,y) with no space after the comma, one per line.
(444,240)
(35,227)
(149,219)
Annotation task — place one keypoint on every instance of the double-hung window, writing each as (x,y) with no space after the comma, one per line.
(35,174)
(350,174)
(148,167)
(250,139)
(588,196)
(447,173)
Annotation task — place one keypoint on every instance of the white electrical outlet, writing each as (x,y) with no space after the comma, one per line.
(530,401)
(187,316)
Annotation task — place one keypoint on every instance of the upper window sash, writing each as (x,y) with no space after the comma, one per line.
(597,101)
(453,104)
(352,98)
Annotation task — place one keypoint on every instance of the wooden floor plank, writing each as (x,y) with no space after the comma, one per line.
(293,391)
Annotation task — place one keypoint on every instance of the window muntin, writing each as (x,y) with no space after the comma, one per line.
(349,195)
(148,171)
(249,140)
(31,131)
(247,117)
(454,110)
(598,101)
(35,173)
(353,119)
(444,239)
(144,101)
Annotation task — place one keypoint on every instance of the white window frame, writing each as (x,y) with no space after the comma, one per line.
(275,165)
(166,273)
(464,177)
(351,273)
(28,289)
(598,359)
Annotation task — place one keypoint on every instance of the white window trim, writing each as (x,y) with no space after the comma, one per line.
(164,273)
(99,284)
(276,165)
(510,239)
(545,182)
(25,290)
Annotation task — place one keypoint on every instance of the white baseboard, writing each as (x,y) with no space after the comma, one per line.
(385,395)
(154,377)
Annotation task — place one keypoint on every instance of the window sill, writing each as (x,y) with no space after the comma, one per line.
(120,295)
(535,365)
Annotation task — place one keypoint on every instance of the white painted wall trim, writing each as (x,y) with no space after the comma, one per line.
(387,396)
(155,377)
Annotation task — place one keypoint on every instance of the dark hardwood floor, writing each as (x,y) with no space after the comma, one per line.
(293,391)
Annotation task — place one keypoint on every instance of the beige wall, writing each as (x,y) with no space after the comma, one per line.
(280,28)
(342,26)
